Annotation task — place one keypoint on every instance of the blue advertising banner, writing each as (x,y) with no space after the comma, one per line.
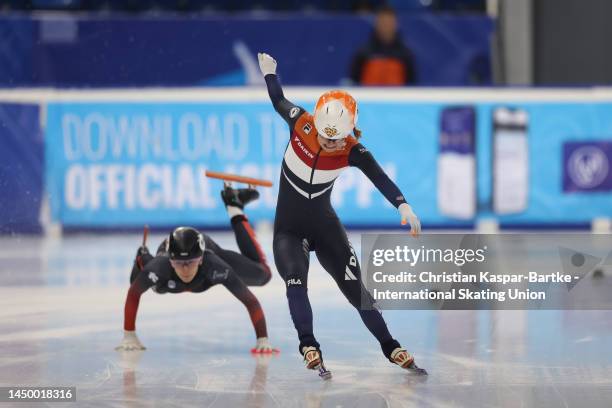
(550,125)
(126,164)
(117,164)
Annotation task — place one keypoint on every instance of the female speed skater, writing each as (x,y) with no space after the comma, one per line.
(320,148)
(190,261)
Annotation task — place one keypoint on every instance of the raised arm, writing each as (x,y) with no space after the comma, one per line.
(361,158)
(287,109)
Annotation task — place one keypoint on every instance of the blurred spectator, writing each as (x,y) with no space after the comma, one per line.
(384,59)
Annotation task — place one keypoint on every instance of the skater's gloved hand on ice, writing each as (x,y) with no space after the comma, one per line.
(409,216)
(267,64)
(263,346)
(130,342)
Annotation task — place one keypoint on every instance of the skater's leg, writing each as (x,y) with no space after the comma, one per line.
(250,272)
(250,263)
(338,258)
(292,258)
(247,241)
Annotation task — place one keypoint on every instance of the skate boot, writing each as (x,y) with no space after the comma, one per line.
(238,197)
(314,361)
(403,359)
(312,357)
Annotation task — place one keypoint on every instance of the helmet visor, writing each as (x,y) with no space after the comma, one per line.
(176,263)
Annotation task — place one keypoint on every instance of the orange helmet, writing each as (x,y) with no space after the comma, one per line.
(335,114)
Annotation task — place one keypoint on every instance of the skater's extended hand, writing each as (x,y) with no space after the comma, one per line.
(263,346)
(267,64)
(409,216)
(130,342)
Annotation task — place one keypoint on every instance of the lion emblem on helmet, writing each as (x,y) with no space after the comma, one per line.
(330,131)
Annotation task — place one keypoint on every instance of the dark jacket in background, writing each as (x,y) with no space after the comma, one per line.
(378,64)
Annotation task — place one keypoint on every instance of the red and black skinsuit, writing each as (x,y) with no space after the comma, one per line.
(220,266)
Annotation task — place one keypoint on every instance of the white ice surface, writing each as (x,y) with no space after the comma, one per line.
(61,315)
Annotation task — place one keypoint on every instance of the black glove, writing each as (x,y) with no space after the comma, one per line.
(141,255)
(143,250)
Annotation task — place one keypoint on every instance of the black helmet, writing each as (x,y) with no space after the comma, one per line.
(185,243)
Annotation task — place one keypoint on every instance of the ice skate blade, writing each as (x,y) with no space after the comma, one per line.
(324,373)
(266,352)
(415,370)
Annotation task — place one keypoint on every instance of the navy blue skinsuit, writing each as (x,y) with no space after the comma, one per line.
(305,220)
